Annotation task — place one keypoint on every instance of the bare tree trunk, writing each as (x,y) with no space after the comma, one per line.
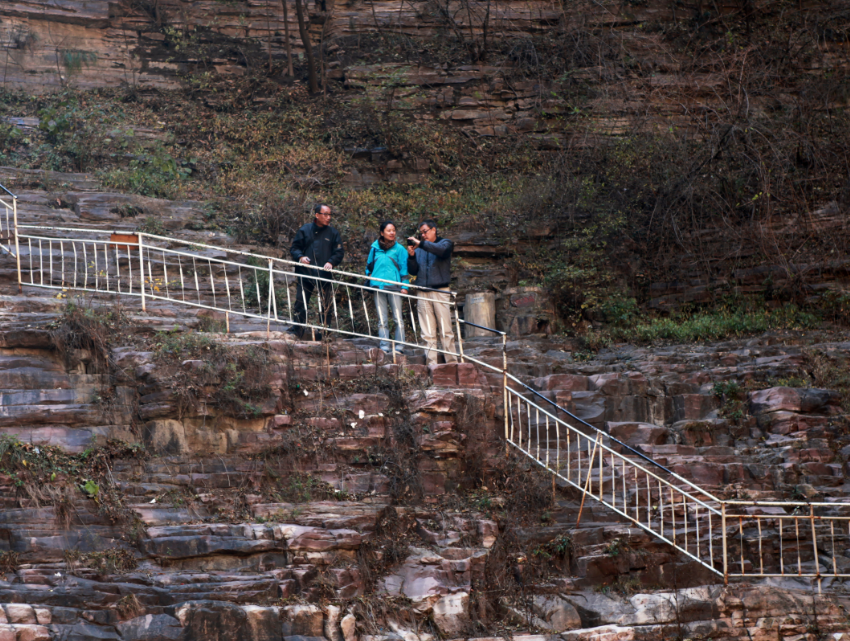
(286,36)
(308,47)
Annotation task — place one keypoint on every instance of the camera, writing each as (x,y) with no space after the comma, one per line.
(409,243)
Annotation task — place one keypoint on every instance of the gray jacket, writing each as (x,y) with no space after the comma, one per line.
(431,263)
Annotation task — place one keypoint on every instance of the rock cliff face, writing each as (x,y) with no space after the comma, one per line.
(346,497)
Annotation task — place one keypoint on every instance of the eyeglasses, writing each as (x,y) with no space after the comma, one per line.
(422,233)
(321,213)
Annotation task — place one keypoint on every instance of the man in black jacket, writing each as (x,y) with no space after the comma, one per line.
(429,258)
(318,248)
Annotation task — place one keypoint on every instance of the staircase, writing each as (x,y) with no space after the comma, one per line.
(726,536)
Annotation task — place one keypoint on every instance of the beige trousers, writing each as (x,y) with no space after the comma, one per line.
(435,319)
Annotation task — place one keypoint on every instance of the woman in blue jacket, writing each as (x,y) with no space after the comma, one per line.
(388,261)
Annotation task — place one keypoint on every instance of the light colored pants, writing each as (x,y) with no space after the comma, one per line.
(384,321)
(435,319)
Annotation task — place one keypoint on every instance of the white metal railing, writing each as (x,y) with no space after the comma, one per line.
(731,538)
(158,268)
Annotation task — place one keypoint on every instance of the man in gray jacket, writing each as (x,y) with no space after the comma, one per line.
(430,260)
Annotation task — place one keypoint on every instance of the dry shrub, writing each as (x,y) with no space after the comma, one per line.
(86,329)
(387,548)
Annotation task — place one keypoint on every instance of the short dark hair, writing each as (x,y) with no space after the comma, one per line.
(317,208)
(428,221)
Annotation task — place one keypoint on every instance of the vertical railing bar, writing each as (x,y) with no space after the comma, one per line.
(781,550)
(814,539)
(799,560)
(17,244)
(182,280)
(673,514)
(74,247)
(369,332)
(130,268)
(685,517)
(118,267)
(85,266)
(165,275)
(289,296)
(62,254)
(710,542)
(227,289)
(40,264)
(696,527)
(212,281)
(537,429)
(142,269)
(412,317)
(96,267)
(625,493)
(336,310)
(519,418)
(242,291)
(601,456)
(725,548)
(349,296)
(648,503)
(613,482)
(50,262)
(510,411)
(661,507)
(106,264)
(546,431)
(198,286)
(741,539)
(761,557)
(832,537)
(150,269)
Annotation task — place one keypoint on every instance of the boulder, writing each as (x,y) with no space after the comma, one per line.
(774,399)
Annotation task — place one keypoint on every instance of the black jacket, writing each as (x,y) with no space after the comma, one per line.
(431,263)
(320,244)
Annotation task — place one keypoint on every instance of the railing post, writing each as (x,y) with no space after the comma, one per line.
(17,246)
(142,269)
(271,294)
(815,542)
(723,534)
(459,335)
(505,389)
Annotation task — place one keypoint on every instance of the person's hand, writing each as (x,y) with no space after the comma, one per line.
(415,242)
(328,266)
(304,260)
(403,291)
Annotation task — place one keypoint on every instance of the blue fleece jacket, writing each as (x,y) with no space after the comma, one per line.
(389,264)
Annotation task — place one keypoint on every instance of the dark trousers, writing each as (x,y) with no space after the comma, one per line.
(303,293)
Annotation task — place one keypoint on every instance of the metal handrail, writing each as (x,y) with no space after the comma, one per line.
(741,553)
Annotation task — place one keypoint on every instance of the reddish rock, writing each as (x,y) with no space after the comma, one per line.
(569,382)
(638,433)
(774,399)
(609,384)
(444,374)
